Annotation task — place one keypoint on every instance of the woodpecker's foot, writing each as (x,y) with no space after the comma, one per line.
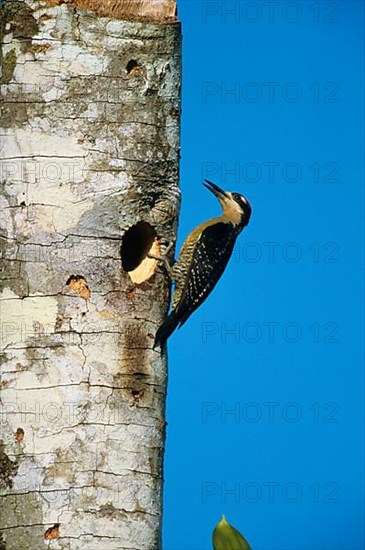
(167,250)
(164,259)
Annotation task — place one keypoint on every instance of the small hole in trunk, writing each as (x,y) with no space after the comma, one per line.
(132,64)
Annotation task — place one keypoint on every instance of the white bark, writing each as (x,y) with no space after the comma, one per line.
(90,147)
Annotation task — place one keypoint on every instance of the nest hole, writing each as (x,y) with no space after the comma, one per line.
(139,241)
(132,64)
(136,244)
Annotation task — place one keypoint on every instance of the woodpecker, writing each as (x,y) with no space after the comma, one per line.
(203,258)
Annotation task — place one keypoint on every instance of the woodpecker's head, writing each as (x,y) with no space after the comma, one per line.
(236,207)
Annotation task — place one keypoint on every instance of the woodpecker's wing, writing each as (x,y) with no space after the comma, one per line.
(211,255)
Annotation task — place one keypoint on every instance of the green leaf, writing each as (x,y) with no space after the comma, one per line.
(226,537)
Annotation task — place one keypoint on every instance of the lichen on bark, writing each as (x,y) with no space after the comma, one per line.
(8,63)
(17,17)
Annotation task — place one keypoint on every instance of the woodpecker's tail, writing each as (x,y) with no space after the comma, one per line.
(166,329)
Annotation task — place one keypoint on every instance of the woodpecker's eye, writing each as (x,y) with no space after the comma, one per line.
(237,197)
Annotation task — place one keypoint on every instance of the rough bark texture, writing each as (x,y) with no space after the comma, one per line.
(141,10)
(90,147)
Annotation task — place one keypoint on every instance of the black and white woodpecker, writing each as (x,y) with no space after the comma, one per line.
(203,258)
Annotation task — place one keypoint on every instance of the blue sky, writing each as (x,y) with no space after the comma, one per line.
(265,399)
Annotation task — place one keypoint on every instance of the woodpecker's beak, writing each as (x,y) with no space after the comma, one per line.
(217,191)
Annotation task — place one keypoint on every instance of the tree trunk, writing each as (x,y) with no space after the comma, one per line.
(90,147)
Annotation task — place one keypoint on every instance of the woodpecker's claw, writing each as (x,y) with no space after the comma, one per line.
(164,259)
(168,248)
